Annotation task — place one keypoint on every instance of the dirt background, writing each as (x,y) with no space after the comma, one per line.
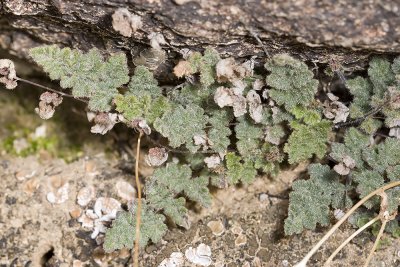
(34,232)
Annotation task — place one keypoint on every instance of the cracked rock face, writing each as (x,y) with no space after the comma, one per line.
(306,28)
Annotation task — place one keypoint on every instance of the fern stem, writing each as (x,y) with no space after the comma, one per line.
(139,204)
(304,261)
(50,89)
(371,253)
(365,226)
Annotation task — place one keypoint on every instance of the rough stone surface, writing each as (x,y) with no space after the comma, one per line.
(314,30)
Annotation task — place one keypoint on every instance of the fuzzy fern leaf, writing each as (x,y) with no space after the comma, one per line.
(160,198)
(207,68)
(205,65)
(131,106)
(354,144)
(393,199)
(392,117)
(143,82)
(158,107)
(178,178)
(238,171)
(371,125)
(361,89)
(193,94)
(181,124)
(122,232)
(381,75)
(368,181)
(307,139)
(384,155)
(275,134)
(87,74)
(249,137)
(134,107)
(396,69)
(291,81)
(311,199)
(281,115)
(219,133)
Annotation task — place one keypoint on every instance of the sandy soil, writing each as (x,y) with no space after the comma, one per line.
(35,232)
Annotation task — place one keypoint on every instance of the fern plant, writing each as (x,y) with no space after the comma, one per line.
(225,127)
(370,163)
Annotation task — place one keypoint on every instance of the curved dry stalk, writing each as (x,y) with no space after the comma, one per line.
(303,262)
(50,89)
(139,204)
(365,226)
(371,253)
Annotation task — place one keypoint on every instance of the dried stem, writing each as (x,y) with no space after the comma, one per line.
(371,253)
(50,89)
(139,204)
(358,121)
(304,261)
(365,226)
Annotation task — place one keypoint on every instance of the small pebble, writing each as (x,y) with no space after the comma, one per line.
(91,169)
(75,212)
(125,190)
(263,197)
(200,255)
(85,195)
(106,206)
(60,196)
(240,240)
(175,260)
(216,227)
(257,262)
(22,175)
(30,186)
(236,229)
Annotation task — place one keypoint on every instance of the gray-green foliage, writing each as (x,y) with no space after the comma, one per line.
(143,82)
(178,179)
(239,171)
(122,233)
(87,74)
(291,81)
(309,136)
(292,129)
(205,65)
(180,125)
(141,107)
(219,130)
(163,192)
(374,163)
(144,99)
(311,199)
(378,92)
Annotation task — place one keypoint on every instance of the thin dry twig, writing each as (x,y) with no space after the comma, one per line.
(378,238)
(139,204)
(303,262)
(50,89)
(365,226)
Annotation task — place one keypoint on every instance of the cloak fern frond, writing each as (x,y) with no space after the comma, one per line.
(87,74)
(122,234)
(180,125)
(311,199)
(291,81)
